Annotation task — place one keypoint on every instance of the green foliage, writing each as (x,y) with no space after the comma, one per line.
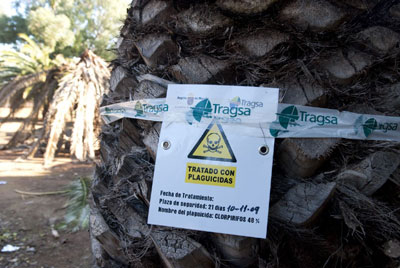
(23,71)
(77,216)
(51,29)
(10,27)
(31,58)
(69,27)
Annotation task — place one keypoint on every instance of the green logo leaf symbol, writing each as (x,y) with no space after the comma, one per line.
(274,132)
(139,109)
(275,129)
(202,109)
(108,111)
(369,126)
(288,116)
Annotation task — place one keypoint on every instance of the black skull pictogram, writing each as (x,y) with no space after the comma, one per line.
(213,143)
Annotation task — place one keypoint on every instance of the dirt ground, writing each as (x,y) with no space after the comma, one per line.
(25,220)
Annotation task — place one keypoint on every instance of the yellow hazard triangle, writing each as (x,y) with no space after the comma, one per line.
(213,145)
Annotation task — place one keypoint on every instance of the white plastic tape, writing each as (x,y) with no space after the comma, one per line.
(292,121)
(147,109)
(310,122)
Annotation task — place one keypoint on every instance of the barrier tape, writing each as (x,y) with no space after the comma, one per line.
(293,121)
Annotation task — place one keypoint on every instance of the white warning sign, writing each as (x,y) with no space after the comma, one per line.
(209,174)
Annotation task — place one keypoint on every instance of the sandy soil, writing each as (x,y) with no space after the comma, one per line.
(25,221)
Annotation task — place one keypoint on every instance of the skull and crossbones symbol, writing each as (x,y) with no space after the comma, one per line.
(213,140)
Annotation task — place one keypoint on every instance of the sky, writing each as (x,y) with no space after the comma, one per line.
(6,8)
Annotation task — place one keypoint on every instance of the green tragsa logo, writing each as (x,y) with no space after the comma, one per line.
(369,126)
(372,125)
(289,116)
(139,109)
(206,109)
(202,109)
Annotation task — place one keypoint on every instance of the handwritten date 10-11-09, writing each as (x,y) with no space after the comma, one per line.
(244,208)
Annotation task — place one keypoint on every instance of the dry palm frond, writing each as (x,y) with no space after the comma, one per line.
(89,140)
(39,94)
(79,93)
(29,123)
(41,193)
(63,102)
(45,98)
(18,84)
(75,96)
(77,134)
(27,75)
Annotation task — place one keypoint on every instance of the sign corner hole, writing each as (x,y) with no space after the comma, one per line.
(166,145)
(263,149)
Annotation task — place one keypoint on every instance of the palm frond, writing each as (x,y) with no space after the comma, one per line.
(91,108)
(77,215)
(19,83)
(74,97)
(64,100)
(51,84)
(80,92)
(20,73)
(78,130)
(30,58)
(39,94)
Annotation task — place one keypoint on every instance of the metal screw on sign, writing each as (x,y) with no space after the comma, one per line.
(263,150)
(166,145)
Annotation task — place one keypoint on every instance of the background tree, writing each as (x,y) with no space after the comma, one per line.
(10,27)
(43,68)
(69,27)
(51,29)
(20,70)
(55,31)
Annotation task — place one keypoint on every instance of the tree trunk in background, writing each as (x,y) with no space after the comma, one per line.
(333,201)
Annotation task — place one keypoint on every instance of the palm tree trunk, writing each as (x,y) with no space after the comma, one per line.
(337,54)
